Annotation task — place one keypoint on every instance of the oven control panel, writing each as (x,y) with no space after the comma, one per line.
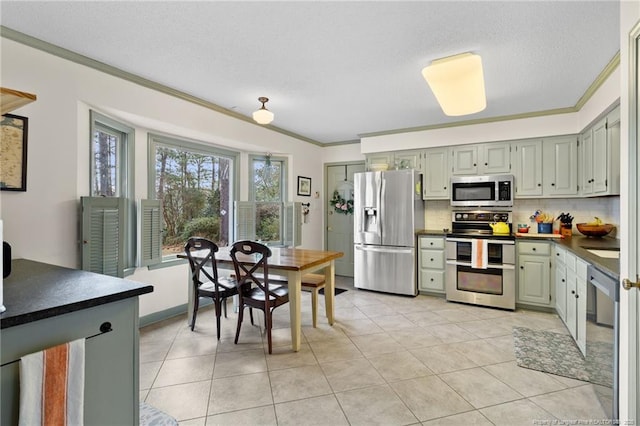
(481,216)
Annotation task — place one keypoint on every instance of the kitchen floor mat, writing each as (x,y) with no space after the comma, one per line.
(558,354)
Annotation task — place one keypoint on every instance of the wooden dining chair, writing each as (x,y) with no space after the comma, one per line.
(254,289)
(205,280)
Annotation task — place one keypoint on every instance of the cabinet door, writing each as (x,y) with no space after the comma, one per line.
(600,157)
(561,291)
(407,160)
(465,160)
(581,314)
(533,280)
(435,174)
(572,304)
(494,158)
(560,166)
(527,161)
(380,158)
(587,162)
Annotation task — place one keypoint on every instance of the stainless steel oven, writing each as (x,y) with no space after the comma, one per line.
(490,281)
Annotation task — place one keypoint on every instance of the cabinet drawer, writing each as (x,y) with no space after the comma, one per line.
(431,280)
(542,249)
(559,254)
(433,259)
(432,242)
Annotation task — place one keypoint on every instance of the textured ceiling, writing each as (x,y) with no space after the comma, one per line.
(337,70)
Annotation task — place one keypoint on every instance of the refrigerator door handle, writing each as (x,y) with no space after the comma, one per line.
(384,249)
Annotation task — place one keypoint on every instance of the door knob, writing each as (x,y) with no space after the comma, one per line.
(627,284)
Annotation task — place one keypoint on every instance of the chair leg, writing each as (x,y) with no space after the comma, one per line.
(251,315)
(314,307)
(224,306)
(196,303)
(267,317)
(217,304)
(240,315)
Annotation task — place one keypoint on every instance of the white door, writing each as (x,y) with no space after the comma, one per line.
(339,231)
(630,242)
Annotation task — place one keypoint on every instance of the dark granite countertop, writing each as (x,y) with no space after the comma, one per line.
(35,291)
(578,244)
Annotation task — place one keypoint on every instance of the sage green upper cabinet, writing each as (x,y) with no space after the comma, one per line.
(526,157)
(407,160)
(395,160)
(600,157)
(435,174)
(560,166)
(379,158)
(494,158)
(464,160)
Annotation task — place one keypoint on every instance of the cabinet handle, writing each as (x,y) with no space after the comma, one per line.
(539,184)
(573,292)
(445,187)
(553,184)
(522,267)
(557,254)
(431,243)
(431,279)
(474,164)
(432,259)
(486,164)
(533,249)
(563,281)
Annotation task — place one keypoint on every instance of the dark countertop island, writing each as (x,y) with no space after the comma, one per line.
(36,291)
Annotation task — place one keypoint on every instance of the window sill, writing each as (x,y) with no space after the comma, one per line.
(167,262)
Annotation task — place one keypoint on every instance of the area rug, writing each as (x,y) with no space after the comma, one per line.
(151,416)
(558,354)
(336,291)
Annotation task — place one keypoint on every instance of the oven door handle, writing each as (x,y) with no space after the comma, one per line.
(490,266)
(489,241)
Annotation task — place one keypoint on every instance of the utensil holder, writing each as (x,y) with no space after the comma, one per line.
(545,228)
(565,230)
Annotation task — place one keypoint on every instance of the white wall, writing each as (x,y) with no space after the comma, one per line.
(42,223)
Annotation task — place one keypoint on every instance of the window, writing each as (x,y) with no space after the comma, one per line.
(108,216)
(268,192)
(195,185)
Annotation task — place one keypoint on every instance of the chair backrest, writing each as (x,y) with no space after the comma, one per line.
(247,271)
(205,258)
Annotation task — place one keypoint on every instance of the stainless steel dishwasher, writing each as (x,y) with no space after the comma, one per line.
(603,340)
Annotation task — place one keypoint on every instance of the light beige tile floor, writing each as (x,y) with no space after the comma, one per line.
(388,360)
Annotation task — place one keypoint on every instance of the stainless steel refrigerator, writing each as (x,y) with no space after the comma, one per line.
(388,209)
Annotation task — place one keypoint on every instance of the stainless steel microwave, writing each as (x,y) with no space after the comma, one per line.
(482,191)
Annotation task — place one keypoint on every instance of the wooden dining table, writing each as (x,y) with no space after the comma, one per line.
(292,264)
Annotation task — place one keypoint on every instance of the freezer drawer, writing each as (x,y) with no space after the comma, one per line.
(387,269)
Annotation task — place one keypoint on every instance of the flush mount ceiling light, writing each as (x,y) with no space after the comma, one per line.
(263,115)
(458,83)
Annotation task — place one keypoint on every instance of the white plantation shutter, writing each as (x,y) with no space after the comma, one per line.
(103,226)
(150,232)
(292,236)
(245,220)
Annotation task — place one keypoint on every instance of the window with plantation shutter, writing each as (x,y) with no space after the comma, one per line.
(245,220)
(150,232)
(103,235)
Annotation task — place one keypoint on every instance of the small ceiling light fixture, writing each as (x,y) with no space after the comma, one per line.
(458,83)
(263,115)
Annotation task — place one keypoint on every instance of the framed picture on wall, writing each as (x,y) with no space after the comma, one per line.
(13,153)
(304,186)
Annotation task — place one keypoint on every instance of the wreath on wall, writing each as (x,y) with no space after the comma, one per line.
(340,205)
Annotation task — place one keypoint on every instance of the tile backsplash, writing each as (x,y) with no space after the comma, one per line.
(438,212)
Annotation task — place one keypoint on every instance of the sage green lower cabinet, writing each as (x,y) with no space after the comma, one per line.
(560,277)
(534,274)
(111,360)
(431,264)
